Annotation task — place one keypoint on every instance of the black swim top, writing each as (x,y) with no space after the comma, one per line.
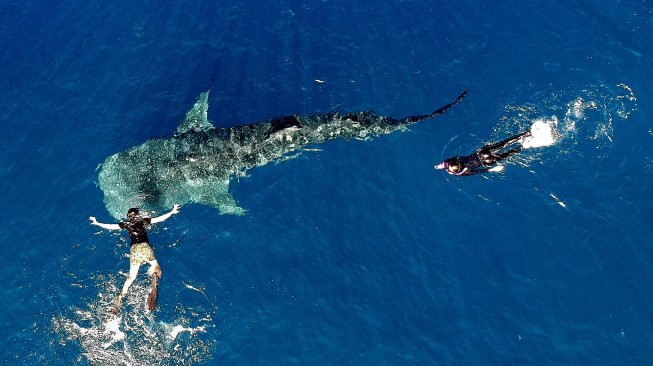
(136,230)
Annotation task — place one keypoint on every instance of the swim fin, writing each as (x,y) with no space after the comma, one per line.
(153,297)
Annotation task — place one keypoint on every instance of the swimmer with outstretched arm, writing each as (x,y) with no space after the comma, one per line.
(141,251)
(485,159)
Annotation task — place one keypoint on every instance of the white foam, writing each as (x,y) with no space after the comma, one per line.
(541,134)
(133,338)
(113,327)
(178,329)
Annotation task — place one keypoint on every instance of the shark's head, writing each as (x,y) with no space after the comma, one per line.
(163,171)
(127,182)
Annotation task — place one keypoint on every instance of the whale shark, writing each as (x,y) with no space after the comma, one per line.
(196,163)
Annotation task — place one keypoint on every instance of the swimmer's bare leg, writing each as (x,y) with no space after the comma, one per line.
(155,268)
(155,272)
(133,272)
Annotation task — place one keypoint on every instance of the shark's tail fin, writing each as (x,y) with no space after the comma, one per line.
(437,112)
(446,107)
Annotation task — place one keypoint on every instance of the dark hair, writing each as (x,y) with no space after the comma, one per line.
(132,210)
(455,164)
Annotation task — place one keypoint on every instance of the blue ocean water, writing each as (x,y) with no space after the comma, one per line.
(358,253)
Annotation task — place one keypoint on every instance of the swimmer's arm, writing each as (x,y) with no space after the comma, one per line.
(476,171)
(104,226)
(175,209)
(496,169)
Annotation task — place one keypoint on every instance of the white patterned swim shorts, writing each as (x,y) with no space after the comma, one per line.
(141,253)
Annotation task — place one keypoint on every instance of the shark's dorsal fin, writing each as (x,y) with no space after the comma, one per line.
(197,117)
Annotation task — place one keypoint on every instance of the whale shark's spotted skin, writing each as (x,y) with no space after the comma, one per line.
(197,162)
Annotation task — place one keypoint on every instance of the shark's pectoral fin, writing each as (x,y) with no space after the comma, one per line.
(211,191)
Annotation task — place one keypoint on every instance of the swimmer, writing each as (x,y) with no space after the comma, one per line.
(486,159)
(141,251)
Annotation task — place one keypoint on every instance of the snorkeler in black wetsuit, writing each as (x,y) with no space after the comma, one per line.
(141,251)
(485,159)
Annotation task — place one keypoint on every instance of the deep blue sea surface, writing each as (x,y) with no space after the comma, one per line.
(355,252)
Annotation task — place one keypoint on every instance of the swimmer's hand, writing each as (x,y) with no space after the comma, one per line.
(175,210)
(496,169)
(93,220)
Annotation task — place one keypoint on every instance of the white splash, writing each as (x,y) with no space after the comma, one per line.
(136,337)
(112,327)
(178,329)
(542,133)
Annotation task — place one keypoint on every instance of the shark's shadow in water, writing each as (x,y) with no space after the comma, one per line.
(196,163)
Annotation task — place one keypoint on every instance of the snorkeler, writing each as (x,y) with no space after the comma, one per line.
(486,159)
(141,251)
